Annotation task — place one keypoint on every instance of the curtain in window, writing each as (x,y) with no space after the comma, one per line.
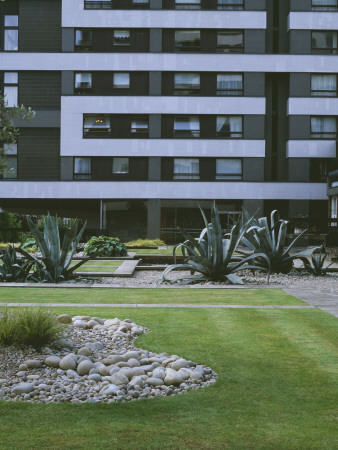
(324,84)
(187,4)
(229,126)
(230,4)
(187,126)
(324,40)
(83,80)
(229,84)
(323,127)
(186,169)
(121,37)
(229,39)
(325,5)
(187,81)
(228,169)
(82,166)
(121,80)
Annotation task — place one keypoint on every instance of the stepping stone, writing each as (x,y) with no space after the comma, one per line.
(126,269)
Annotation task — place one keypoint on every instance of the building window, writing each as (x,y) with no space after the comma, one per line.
(186,83)
(11,33)
(323,128)
(324,5)
(234,5)
(323,85)
(229,127)
(187,4)
(121,38)
(323,42)
(11,88)
(94,4)
(11,170)
(140,2)
(186,169)
(84,40)
(230,42)
(96,126)
(228,169)
(186,126)
(120,166)
(229,84)
(82,168)
(187,41)
(83,82)
(139,126)
(121,80)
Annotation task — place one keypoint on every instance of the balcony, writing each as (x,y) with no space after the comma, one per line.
(332,183)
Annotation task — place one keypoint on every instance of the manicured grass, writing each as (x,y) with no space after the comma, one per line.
(152,251)
(166,295)
(98,266)
(277,388)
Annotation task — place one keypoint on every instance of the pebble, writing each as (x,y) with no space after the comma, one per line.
(96,364)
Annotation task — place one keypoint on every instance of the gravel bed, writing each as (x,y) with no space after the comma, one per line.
(96,362)
(152,278)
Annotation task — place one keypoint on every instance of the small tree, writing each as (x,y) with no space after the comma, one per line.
(8,131)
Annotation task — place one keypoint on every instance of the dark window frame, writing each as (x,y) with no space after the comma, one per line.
(82,47)
(330,8)
(187,48)
(188,176)
(121,174)
(122,45)
(323,134)
(10,28)
(320,73)
(112,4)
(223,136)
(90,133)
(240,91)
(83,90)
(240,176)
(186,91)
(85,175)
(231,7)
(176,134)
(229,48)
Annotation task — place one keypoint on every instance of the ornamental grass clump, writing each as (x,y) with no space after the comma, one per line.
(105,246)
(29,326)
(212,254)
(139,243)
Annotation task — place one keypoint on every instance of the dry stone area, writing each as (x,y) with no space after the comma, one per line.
(96,362)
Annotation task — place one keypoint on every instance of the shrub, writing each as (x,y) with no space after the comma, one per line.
(13,268)
(211,255)
(317,267)
(29,326)
(105,246)
(145,243)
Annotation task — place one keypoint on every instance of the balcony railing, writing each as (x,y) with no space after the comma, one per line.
(115,4)
(220,5)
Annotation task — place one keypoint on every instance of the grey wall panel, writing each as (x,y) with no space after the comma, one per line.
(300,84)
(299,127)
(254,127)
(68,39)
(40,25)
(254,41)
(66,168)
(40,89)
(254,84)
(299,169)
(300,42)
(155,125)
(153,218)
(67,82)
(300,5)
(154,168)
(42,119)
(253,169)
(255,5)
(39,154)
(155,40)
(155,83)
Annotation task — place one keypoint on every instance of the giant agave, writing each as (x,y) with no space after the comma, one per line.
(56,258)
(13,268)
(212,254)
(261,238)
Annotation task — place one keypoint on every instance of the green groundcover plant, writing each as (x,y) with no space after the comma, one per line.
(29,326)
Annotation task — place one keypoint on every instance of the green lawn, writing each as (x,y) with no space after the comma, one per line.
(277,388)
(98,266)
(166,295)
(152,251)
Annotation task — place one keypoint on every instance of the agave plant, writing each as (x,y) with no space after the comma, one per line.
(317,267)
(212,254)
(56,258)
(270,240)
(13,268)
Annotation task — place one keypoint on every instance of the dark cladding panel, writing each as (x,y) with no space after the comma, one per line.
(39,154)
(40,26)
(40,89)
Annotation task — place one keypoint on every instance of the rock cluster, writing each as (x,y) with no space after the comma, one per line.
(96,362)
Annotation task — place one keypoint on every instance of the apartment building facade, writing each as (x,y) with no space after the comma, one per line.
(145,107)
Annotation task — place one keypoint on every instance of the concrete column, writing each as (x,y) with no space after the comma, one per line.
(68,39)
(154,168)
(67,82)
(66,169)
(155,83)
(155,40)
(154,219)
(154,126)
